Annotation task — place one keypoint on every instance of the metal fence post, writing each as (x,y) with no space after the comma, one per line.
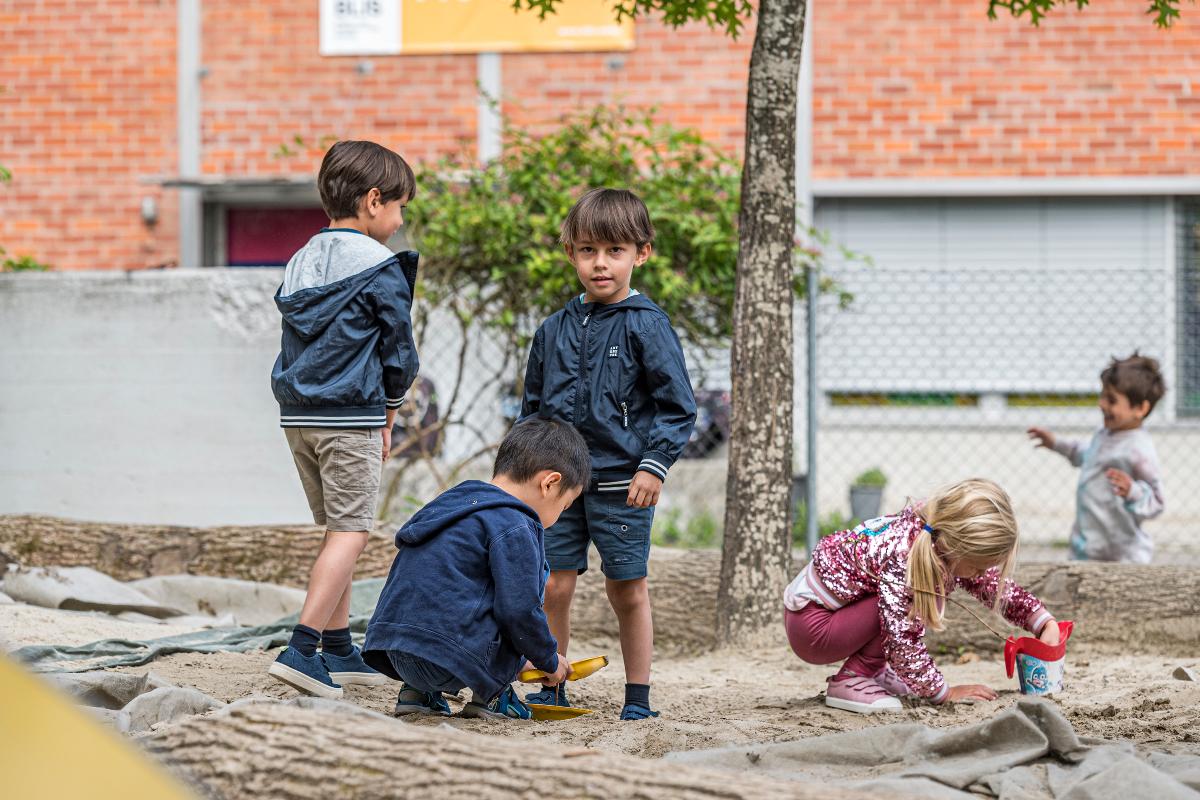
(810,434)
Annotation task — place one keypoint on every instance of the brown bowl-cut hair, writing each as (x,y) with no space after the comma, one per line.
(351,169)
(608,215)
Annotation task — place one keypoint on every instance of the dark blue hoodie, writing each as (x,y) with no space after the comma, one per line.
(466,590)
(617,373)
(347,353)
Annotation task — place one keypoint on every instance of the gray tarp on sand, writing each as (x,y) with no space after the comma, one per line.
(1026,751)
(125,653)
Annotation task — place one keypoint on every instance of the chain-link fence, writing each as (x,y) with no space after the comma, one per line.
(975,321)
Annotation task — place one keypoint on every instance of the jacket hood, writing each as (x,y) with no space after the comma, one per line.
(326,274)
(454,504)
(578,308)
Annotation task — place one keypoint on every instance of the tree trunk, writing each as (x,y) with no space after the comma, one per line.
(273,554)
(757,540)
(334,750)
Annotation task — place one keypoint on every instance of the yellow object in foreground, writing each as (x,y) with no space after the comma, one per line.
(556,712)
(51,748)
(579,670)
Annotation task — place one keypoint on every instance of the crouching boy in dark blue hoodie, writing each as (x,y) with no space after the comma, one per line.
(462,605)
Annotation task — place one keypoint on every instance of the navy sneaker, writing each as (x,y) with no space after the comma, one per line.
(506,706)
(550,696)
(414,701)
(351,670)
(634,711)
(307,674)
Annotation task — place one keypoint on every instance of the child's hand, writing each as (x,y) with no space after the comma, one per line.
(644,490)
(560,674)
(1050,634)
(387,443)
(1045,438)
(970,692)
(1120,482)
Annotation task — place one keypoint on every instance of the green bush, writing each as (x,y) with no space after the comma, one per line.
(21,264)
(701,530)
(488,236)
(830,523)
(872,477)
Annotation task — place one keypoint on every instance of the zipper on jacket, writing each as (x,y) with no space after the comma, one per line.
(624,415)
(581,384)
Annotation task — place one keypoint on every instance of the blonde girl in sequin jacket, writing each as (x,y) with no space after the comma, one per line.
(869,594)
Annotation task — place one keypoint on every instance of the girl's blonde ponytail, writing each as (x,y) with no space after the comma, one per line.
(927,578)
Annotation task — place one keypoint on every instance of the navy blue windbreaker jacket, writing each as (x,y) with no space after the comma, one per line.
(617,373)
(466,590)
(347,353)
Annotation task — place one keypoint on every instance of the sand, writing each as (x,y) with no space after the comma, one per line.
(767,695)
(22,625)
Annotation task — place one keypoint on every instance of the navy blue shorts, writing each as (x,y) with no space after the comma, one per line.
(621,534)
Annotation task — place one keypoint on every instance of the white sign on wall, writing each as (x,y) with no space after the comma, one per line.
(360,27)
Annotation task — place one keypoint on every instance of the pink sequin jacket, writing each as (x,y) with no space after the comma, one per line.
(873,559)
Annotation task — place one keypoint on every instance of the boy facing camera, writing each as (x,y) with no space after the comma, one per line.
(462,605)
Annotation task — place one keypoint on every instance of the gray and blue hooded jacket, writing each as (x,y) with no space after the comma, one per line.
(617,373)
(347,353)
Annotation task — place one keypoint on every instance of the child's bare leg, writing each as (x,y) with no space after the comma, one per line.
(329,581)
(560,591)
(341,612)
(631,602)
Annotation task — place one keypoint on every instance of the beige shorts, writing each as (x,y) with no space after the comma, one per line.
(340,471)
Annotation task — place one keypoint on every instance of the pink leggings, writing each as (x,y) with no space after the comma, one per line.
(821,636)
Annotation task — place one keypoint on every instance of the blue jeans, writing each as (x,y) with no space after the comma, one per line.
(422,674)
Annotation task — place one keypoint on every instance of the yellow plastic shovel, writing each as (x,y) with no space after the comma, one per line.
(556,712)
(579,671)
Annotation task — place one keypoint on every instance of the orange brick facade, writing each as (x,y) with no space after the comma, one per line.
(901,89)
(913,89)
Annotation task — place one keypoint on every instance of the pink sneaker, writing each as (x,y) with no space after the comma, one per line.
(892,683)
(860,695)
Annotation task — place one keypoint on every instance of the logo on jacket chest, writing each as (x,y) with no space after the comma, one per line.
(614,352)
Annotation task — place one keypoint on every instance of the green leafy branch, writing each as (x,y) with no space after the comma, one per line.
(729,15)
(1165,12)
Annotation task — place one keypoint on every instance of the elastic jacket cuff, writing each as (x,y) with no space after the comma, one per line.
(656,464)
(1038,620)
(394,402)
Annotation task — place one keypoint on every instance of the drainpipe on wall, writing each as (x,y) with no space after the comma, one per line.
(487,109)
(187,94)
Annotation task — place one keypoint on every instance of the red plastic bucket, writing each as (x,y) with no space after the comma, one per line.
(1039,666)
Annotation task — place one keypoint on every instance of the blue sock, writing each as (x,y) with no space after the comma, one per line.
(337,642)
(637,694)
(305,640)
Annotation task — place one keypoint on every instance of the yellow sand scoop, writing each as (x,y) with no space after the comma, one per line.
(579,671)
(556,712)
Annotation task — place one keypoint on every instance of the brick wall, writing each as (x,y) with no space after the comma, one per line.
(87,108)
(907,88)
(903,88)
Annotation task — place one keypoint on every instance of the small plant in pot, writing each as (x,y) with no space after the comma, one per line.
(866,494)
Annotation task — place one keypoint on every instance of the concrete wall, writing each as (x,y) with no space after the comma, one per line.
(143,397)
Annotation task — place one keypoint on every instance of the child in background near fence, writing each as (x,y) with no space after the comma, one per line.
(869,594)
(1120,484)
(346,361)
(611,365)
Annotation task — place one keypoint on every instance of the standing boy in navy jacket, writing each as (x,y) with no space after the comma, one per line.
(610,364)
(346,361)
(462,605)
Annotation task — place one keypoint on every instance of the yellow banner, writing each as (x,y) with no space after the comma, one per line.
(491,26)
